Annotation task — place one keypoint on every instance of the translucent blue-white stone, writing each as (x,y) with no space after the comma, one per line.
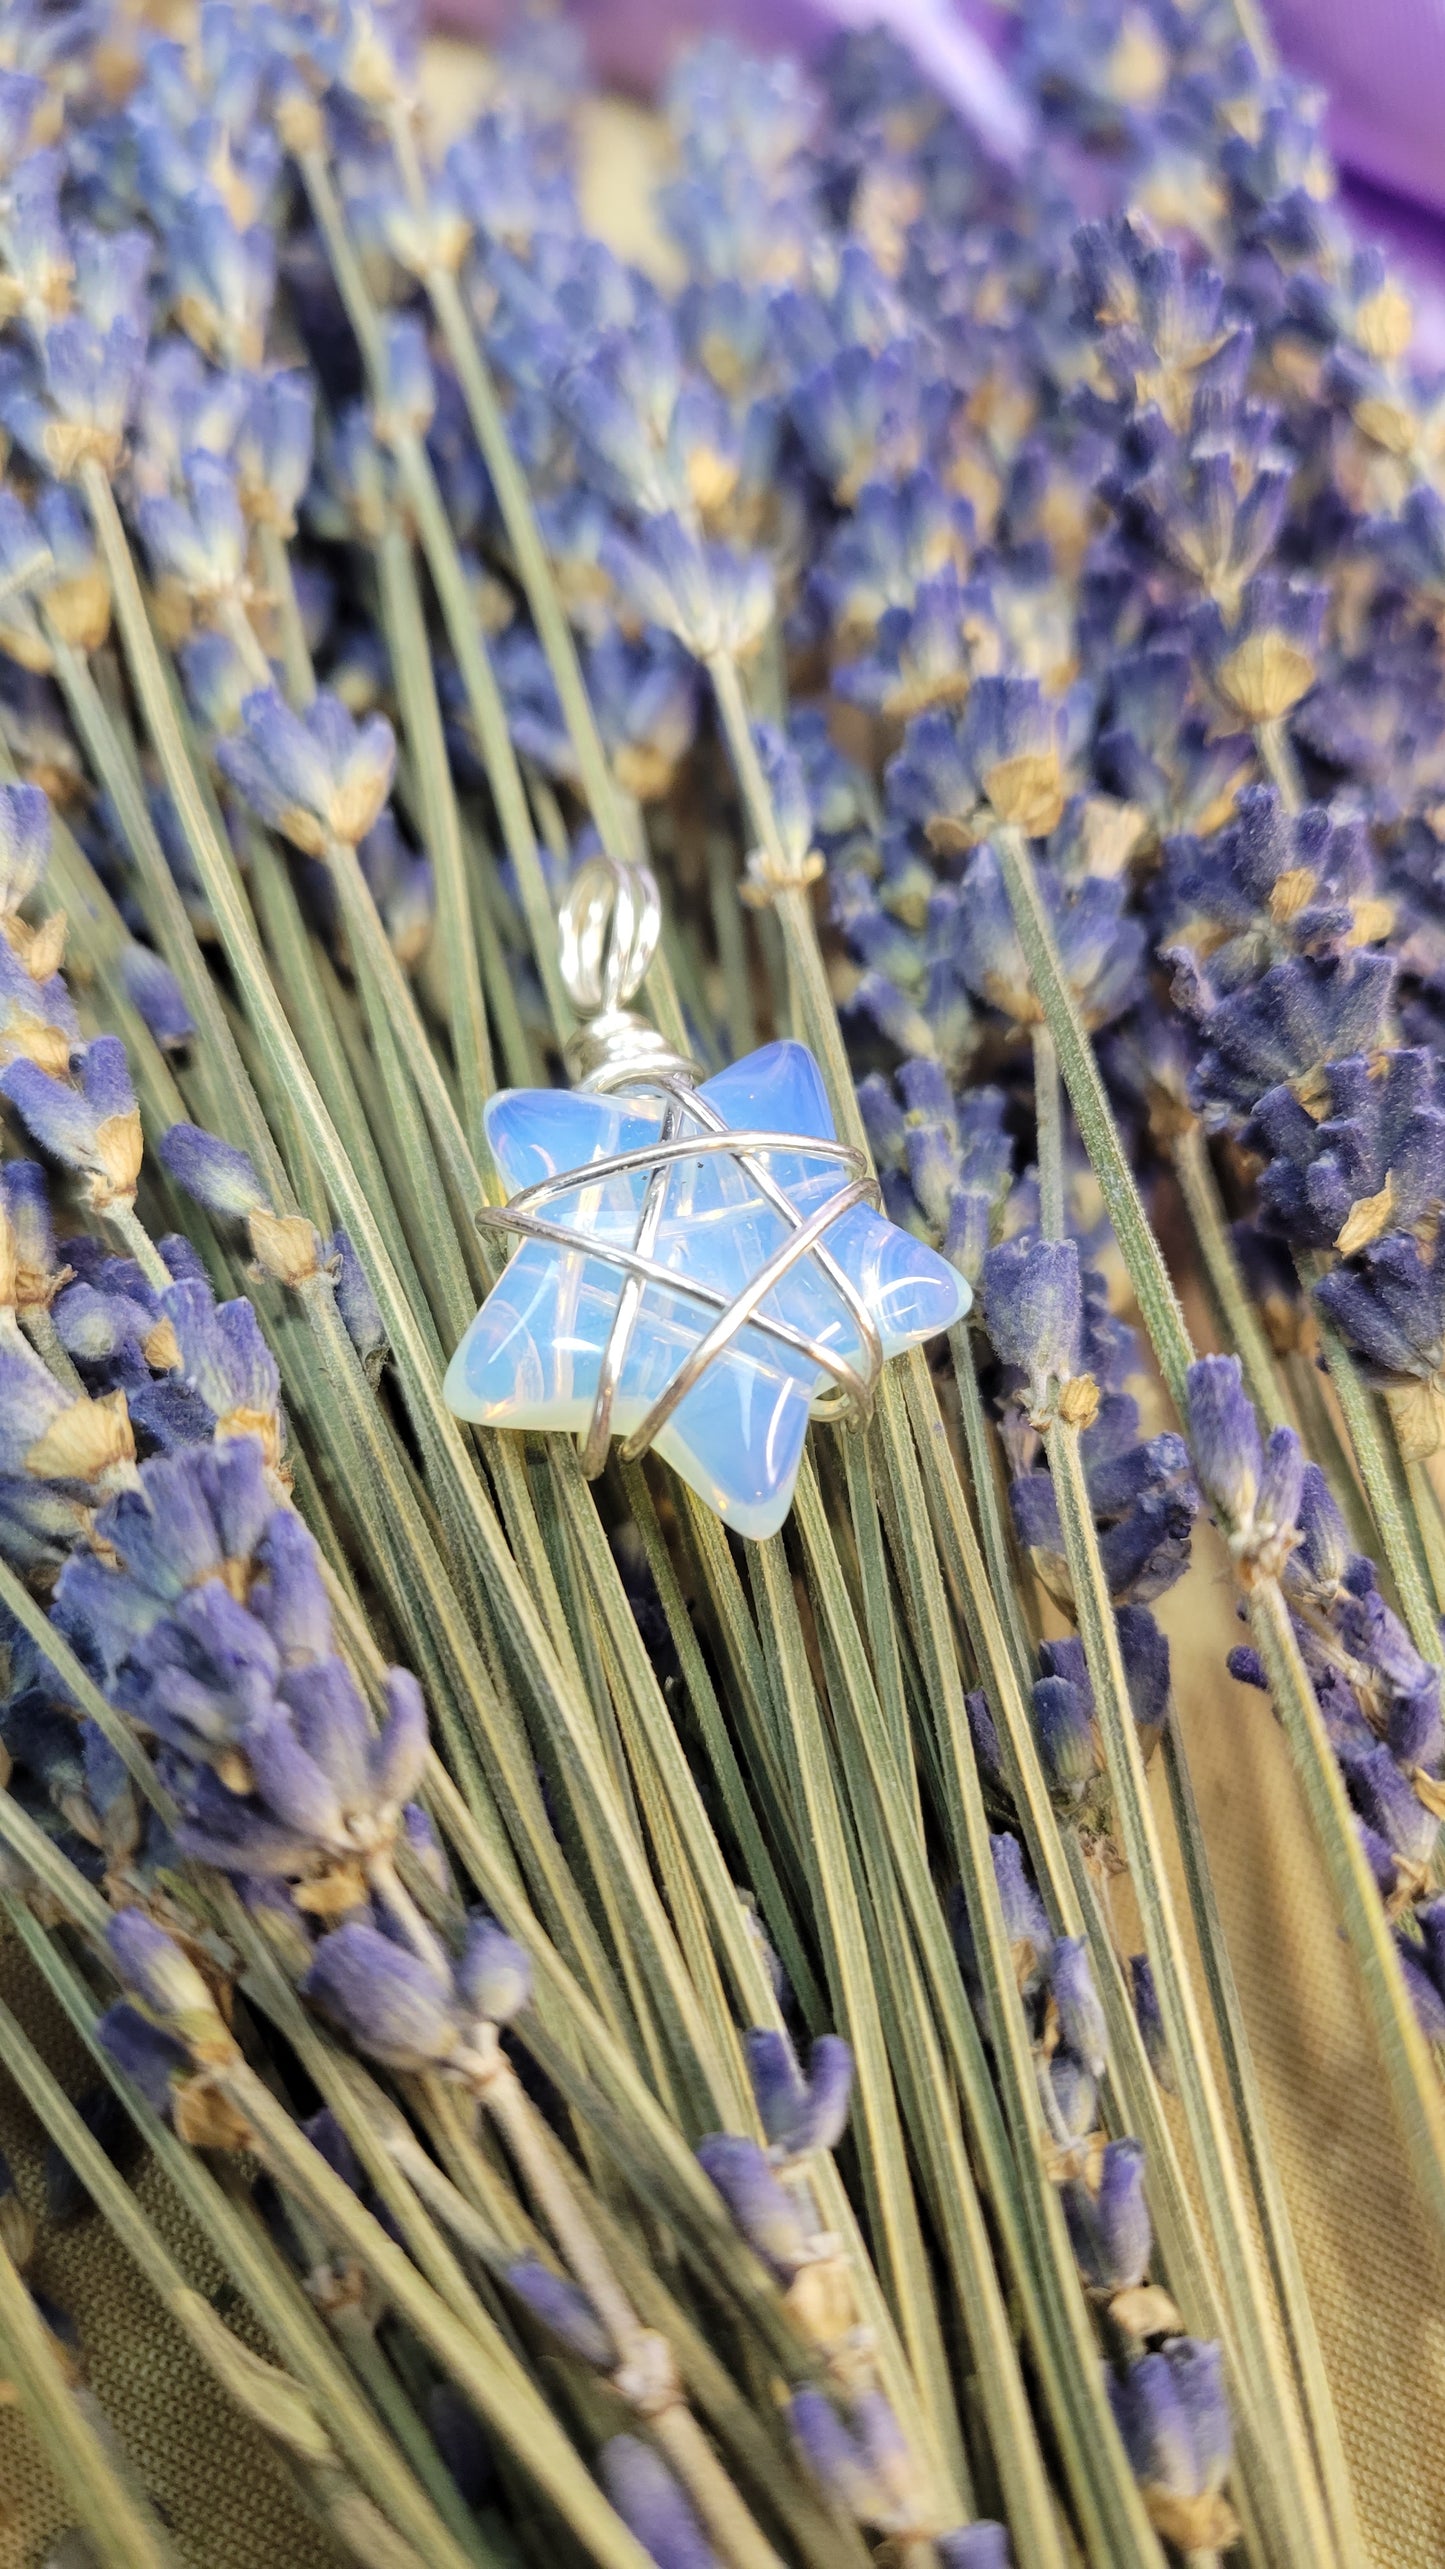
(532,1355)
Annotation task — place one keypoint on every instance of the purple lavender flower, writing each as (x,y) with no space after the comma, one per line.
(273,448)
(155,994)
(218,1174)
(167,1985)
(151,2059)
(764,2212)
(92,1126)
(1151,2020)
(711,597)
(1110,2227)
(1024,1916)
(222,278)
(1257,1489)
(1068,1740)
(194,1517)
(494,1973)
(316,777)
(1390,1305)
(1288,1026)
(1174,2418)
(800,2114)
(198,543)
(24,843)
(975,2546)
(564,2311)
(860,2460)
(1374,1162)
(1081,2018)
(357,1304)
(653,2505)
(1033,1307)
(227,1361)
(289,1593)
(393,2005)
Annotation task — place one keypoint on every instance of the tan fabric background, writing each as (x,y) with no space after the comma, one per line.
(1376,2272)
(211,2476)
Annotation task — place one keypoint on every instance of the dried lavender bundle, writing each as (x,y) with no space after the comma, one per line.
(652,2025)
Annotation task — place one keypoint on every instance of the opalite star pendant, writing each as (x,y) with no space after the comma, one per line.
(701,1267)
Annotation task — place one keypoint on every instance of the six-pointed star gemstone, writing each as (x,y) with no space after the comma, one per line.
(533,1355)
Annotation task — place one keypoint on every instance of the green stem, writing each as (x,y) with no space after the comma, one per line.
(1049,1121)
(1158,1302)
(902,1906)
(530,555)
(727,926)
(422,721)
(514,1609)
(265,2394)
(1300,2530)
(1276,2226)
(459,614)
(894,2214)
(1390,1505)
(1005,1575)
(1109,2504)
(248,2256)
(1243,1327)
(296,667)
(1410,2070)
(758,1868)
(739,2540)
(113,766)
(1425,1500)
(814,1015)
(1272,740)
(511,2406)
(138,1244)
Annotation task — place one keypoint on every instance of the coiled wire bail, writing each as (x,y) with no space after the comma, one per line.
(608,928)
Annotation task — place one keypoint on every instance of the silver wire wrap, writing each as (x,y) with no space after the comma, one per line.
(608,930)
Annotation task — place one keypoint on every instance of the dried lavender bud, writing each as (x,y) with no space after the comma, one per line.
(1033,1308)
(316,777)
(564,2311)
(860,2460)
(1109,2226)
(155,994)
(800,2114)
(1174,2418)
(1068,1741)
(17,2222)
(974,2546)
(1081,2018)
(763,2210)
(24,843)
(494,1972)
(1024,1916)
(393,2005)
(461,2443)
(91,1126)
(653,2505)
(168,1986)
(1151,2020)
(357,1304)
